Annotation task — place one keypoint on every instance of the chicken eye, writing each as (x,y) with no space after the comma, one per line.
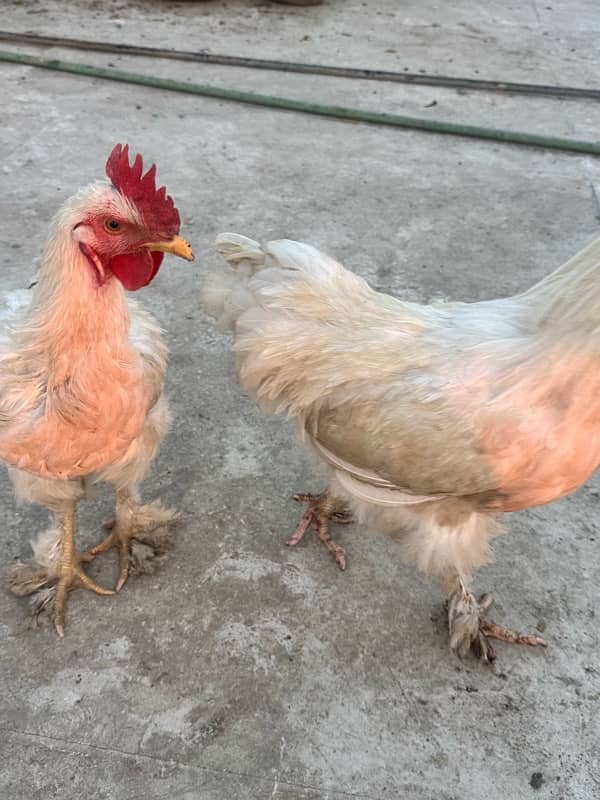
(112,225)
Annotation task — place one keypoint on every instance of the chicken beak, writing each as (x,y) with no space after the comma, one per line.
(176,246)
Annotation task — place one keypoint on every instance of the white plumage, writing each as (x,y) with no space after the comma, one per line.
(430,419)
(82,371)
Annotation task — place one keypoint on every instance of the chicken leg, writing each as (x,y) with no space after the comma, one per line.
(59,577)
(322,509)
(471,630)
(149,524)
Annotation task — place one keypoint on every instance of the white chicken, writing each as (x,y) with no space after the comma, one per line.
(82,374)
(430,419)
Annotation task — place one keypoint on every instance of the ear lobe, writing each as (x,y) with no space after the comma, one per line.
(95,262)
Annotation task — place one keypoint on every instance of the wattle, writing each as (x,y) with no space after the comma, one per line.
(136,270)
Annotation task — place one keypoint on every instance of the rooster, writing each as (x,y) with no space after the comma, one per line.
(82,374)
(429,419)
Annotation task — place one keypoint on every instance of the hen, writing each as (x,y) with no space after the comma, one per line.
(430,419)
(82,373)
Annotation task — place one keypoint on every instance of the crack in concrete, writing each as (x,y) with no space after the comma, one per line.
(184,765)
(536,12)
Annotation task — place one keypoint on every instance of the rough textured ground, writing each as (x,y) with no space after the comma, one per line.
(243,669)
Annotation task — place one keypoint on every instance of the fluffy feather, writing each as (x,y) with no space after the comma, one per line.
(430,419)
(82,367)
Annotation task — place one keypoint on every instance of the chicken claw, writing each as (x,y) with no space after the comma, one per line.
(322,509)
(50,585)
(118,538)
(149,525)
(72,577)
(470,629)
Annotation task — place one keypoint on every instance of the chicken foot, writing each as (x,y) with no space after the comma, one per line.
(471,630)
(53,584)
(322,509)
(150,525)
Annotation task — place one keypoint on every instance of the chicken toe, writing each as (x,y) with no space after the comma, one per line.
(322,510)
(72,577)
(49,586)
(140,533)
(470,630)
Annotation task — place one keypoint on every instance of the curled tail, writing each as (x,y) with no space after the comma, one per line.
(225,294)
(295,313)
(229,292)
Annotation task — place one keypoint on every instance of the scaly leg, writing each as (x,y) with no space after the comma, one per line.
(322,509)
(54,583)
(71,574)
(470,629)
(150,524)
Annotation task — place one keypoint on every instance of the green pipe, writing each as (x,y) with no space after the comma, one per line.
(287,104)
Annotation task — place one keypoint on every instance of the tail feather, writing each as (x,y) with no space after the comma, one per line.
(229,292)
(300,257)
(297,316)
(225,295)
(237,249)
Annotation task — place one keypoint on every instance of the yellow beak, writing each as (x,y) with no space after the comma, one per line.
(176,246)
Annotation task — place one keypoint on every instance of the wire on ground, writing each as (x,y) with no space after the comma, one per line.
(203,57)
(287,104)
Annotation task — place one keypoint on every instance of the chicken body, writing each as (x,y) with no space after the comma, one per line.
(81,387)
(430,419)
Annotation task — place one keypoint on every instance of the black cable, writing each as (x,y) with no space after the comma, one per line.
(414,78)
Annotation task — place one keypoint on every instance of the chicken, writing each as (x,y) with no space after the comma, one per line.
(82,373)
(429,419)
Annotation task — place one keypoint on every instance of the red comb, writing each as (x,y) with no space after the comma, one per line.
(155,205)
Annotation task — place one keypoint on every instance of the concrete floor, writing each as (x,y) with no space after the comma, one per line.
(243,669)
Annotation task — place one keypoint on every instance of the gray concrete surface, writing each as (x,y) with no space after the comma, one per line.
(243,669)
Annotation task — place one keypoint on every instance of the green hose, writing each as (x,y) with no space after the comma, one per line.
(287,104)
